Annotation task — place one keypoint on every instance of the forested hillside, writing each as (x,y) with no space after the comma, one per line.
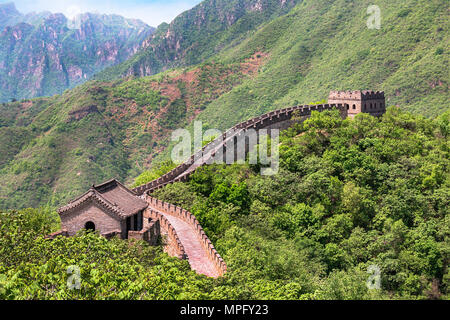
(317,47)
(54,148)
(350,194)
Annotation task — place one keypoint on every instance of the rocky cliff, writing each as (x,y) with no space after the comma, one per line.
(45,54)
(198,34)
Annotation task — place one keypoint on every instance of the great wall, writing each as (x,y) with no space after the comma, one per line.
(185,237)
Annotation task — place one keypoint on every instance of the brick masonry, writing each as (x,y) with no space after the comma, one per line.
(372,102)
(91,212)
(172,243)
(190,236)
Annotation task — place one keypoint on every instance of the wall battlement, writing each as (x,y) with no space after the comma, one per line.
(349,103)
(364,95)
(366,101)
(173,245)
(280,118)
(174,242)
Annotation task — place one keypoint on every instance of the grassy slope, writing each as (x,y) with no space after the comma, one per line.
(325,45)
(318,46)
(64,144)
(198,34)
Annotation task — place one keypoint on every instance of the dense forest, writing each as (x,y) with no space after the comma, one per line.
(350,195)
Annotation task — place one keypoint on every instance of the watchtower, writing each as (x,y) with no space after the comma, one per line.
(372,102)
(106,208)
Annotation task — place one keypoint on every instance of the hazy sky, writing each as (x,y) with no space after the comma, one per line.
(153,12)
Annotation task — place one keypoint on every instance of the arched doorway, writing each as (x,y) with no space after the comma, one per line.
(90,226)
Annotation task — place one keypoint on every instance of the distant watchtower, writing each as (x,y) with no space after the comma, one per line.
(372,102)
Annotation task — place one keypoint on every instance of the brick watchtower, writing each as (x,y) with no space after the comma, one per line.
(372,102)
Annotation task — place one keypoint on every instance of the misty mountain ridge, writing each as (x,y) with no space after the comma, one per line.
(46,53)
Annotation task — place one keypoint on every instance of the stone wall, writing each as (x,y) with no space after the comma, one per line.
(89,211)
(372,102)
(112,234)
(188,217)
(279,119)
(172,245)
(60,233)
(375,107)
(149,233)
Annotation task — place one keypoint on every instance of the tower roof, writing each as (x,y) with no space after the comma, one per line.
(113,196)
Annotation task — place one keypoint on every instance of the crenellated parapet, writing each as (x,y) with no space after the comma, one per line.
(372,95)
(149,233)
(364,95)
(355,102)
(349,103)
(191,220)
(278,119)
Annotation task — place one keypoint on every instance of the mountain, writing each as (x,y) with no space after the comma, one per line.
(55,148)
(44,54)
(198,34)
(10,16)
